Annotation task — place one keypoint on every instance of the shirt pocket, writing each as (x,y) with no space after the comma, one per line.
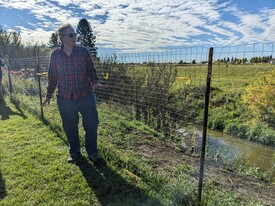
(80,64)
(60,68)
(60,65)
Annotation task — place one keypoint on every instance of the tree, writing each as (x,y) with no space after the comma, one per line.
(86,37)
(53,43)
(11,44)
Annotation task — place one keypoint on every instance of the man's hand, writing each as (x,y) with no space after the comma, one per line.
(97,85)
(46,102)
(6,60)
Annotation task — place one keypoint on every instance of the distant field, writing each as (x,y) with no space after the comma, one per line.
(229,76)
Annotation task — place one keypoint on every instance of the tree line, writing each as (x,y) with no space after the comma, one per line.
(259,59)
(232,60)
(11,44)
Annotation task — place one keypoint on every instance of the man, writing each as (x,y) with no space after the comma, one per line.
(2,63)
(71,69)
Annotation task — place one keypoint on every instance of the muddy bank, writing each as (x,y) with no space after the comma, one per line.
(166,157)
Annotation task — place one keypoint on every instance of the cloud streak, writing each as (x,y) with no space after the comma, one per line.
(143,25)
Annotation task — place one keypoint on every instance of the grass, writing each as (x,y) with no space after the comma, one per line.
(33,168)
(234,76)
(32,164)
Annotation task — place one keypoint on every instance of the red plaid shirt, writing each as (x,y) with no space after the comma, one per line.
(73,75)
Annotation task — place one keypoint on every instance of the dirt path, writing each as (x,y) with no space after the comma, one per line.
(166,157)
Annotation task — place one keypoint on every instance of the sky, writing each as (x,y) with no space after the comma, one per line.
(139,25)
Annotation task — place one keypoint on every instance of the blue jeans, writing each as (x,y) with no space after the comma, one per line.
(69,110)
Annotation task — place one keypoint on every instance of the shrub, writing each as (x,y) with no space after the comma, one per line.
(236,129)
(260,97)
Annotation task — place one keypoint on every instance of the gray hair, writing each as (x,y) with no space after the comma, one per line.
(62,28)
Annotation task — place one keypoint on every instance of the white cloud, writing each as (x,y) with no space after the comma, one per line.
(34,36)
(143,24)
(251,20)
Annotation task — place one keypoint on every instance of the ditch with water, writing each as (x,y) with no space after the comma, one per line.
(249,153)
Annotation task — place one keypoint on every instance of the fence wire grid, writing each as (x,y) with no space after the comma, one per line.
(166,90)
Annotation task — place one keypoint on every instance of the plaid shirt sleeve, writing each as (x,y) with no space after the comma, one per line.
(91,71)
(52,77)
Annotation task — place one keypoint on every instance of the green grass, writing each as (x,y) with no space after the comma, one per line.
(231,76)
(34,171)
(32,165)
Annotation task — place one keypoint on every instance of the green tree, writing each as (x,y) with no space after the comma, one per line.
(11,44)
(86,37)
(53,43)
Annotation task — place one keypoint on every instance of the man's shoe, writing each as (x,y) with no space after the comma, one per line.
(94,158)
(74,158)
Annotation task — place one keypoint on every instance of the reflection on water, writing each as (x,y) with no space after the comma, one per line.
(251,153)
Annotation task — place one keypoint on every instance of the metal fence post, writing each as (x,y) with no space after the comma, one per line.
(39,81)
(206,106)
(10,82)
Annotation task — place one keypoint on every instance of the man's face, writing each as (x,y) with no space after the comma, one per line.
(69,37)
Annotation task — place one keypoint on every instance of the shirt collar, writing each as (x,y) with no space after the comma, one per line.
(61,47)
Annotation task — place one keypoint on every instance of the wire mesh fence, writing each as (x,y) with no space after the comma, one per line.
(166,90)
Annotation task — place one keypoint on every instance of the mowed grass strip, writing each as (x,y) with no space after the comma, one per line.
(34,171)
(33,165)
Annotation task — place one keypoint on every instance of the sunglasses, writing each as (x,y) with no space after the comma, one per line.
(71,35)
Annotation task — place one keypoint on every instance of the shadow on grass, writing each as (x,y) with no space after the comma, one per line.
(6,112)
(110,188)
(2,187)
(17,107)
(56,129)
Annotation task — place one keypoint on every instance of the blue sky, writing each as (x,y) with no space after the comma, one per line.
(144,25)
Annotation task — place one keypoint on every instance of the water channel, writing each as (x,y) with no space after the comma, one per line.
(250,153)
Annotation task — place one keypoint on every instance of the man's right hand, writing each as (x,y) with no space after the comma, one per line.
(6,60)
(45,102)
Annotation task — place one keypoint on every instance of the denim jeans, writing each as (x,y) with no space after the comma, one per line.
(69,111)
